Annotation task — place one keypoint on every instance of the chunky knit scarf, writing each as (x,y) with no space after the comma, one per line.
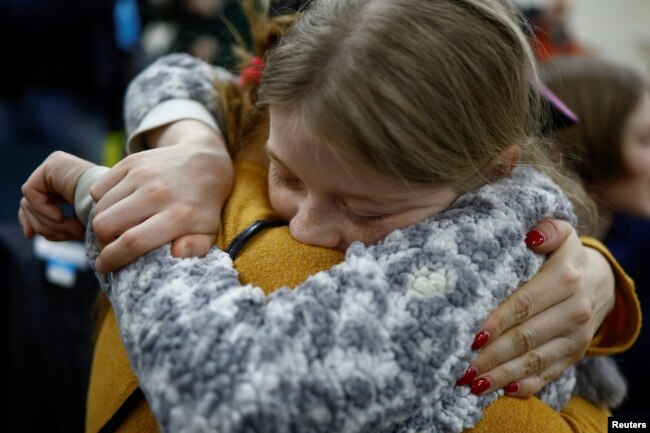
(376,343)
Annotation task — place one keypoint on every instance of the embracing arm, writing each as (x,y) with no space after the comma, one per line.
(334,349)
(155,197)
(581,300)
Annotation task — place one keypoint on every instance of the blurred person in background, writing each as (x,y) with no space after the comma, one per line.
(549,34)
(609,149)
(66,67)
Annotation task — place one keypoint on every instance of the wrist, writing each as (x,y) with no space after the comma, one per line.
(602,284)
(184,131)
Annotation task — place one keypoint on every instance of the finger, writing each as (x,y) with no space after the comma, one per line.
(526,302)
(69,225)
(523,339)
(195,245)
(43,229)
(137,241)
(548,235)
(531,385)
(41,201)
(109,179)
(28,230)
(117,219)
(114,195)
(533,363)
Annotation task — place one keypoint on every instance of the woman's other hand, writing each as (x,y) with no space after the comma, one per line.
(174,192)
(49,186)
(547,324)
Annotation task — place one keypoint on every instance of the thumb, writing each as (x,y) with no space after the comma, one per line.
(548,235)
(194,245)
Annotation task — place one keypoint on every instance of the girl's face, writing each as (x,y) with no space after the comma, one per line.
(631,194)
(329,206)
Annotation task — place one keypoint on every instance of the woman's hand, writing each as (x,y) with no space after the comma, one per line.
(174,192)
(547,324)
(50,185)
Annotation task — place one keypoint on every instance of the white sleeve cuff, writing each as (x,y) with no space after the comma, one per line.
(83,202)
(168,112)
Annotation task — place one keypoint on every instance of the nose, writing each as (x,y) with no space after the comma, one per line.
(315,224)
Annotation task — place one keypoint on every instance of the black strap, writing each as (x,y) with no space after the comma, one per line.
(233,250)
(240,240)
(125,409)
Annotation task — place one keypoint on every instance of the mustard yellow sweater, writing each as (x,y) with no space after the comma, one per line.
(112,379)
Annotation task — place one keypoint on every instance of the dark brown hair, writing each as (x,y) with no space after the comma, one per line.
(603,95)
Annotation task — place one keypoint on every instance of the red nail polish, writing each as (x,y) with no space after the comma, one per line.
(534,238)
(480,339)
(511,387)
(480,385)
(469,375)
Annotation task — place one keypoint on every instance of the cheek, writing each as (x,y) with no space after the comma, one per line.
(283,201)
(630,196)
(639,164)
(366,235)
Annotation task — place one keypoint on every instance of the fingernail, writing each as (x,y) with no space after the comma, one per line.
(469,375)
(480,339)
(511,387)
(480,385)
(99,266)
(534,238)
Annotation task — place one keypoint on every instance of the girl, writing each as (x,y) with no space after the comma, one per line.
(610,151)
(402,308)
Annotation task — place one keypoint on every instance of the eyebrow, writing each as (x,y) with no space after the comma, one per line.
(273,156)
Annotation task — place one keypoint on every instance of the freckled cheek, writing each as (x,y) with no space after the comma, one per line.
(367,235)
(283,202)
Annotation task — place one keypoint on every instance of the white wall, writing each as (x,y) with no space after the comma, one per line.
(617,29)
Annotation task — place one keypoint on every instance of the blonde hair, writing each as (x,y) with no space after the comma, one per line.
(426,91)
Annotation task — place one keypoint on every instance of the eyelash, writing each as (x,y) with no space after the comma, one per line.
(365,220)
(281,180)
(361,220)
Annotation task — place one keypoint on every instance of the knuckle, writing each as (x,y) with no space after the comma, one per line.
(57,154)
(183,213)
(129,160)
(488,360)
(571,276)
(579,345)
(545,378)
(524,306)
(94,192)
(533,362)
(132,240)
(523,340)
(159,190)
(100,225)
(582,312)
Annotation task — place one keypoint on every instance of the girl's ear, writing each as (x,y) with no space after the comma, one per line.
(507,161)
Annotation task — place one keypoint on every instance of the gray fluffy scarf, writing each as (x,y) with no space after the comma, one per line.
(375,343)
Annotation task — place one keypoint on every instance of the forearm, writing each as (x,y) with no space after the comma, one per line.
(176,87)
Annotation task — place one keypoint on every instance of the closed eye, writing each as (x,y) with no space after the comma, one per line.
(365,220)
(282,180)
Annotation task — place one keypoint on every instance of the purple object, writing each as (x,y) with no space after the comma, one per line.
(561,115)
